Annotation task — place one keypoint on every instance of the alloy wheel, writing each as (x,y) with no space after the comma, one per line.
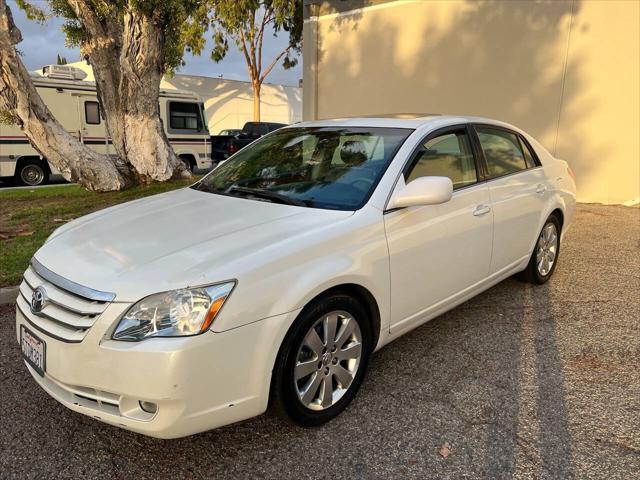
(547,249)
(328,360)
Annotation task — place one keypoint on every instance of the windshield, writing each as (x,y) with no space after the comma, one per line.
(320,167)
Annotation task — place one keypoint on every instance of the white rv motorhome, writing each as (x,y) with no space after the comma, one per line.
(74,104)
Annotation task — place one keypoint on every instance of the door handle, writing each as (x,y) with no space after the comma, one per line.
(541,188)
(481,210)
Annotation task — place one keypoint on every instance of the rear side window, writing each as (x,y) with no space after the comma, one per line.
(447,155)
(185,116)
(501,151)
(92,113)
(528,156)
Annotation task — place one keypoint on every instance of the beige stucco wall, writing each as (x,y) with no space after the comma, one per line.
(566,71)
(229,103)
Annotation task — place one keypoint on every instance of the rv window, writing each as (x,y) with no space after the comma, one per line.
(185,116)
(92,113)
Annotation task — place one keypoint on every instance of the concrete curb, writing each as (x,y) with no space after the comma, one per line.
(8,295)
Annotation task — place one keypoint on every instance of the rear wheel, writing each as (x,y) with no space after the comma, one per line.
(323,360)
(32,172)
(545,254)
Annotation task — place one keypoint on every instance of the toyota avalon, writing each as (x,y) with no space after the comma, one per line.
(272,280)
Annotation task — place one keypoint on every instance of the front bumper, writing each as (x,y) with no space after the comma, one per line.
(199,383)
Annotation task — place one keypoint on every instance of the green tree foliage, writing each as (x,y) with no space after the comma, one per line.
(243,23)
(171,15)
(61,60)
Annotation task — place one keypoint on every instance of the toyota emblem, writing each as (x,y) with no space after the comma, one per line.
(38,299)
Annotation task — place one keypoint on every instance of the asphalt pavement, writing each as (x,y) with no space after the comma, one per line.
(520,382)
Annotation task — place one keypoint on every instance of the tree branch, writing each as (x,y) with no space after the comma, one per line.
(250,66)
(87,16)
(18,94)
(266,18)
(273,64)
(251,34)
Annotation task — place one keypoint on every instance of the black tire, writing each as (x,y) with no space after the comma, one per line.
(32,172)
(532,274)
(189,162)
(285,399)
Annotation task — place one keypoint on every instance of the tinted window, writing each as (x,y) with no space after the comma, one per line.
(447,155)
(251,129)
(528,156)
(321,167)
(185,116)
(501,150)
(92,113)
(275,126)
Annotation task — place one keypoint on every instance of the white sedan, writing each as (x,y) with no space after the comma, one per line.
(273,279)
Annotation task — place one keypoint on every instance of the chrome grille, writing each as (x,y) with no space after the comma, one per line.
(66,315)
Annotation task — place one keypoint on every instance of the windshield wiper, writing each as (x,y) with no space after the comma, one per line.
(267,194)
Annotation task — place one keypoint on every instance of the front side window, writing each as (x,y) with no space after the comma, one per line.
(447,155)
(185,116)
(501,151)
(320,167)
(92,113)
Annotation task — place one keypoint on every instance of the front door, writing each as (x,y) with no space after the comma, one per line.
(94,129)
(438,251)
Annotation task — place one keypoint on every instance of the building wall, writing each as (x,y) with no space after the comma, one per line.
(229,103)
(565,71)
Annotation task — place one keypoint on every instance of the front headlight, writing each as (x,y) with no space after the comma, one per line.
(177,313)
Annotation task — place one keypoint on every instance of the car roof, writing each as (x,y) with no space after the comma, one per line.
(413,121)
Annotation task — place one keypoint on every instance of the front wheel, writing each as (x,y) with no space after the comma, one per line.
(545,254)
(323,360)
(189,164)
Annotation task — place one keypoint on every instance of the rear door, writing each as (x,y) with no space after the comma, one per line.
(437,251)
(518,189)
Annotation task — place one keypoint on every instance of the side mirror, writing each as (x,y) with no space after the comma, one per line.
(423,191)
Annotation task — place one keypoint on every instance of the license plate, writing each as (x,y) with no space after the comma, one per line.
(33,350)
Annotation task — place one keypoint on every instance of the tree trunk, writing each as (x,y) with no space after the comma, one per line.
(19,97)
(256,101)
(127,58)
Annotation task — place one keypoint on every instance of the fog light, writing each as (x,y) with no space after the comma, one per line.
(148,407)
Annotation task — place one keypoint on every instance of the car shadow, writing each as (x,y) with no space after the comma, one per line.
(485,378)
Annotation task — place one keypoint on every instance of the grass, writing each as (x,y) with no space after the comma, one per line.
(28,216)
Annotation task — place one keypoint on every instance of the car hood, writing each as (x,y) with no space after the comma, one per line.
(173,240)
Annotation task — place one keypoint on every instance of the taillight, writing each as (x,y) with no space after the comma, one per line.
(233,148)
(570,172)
